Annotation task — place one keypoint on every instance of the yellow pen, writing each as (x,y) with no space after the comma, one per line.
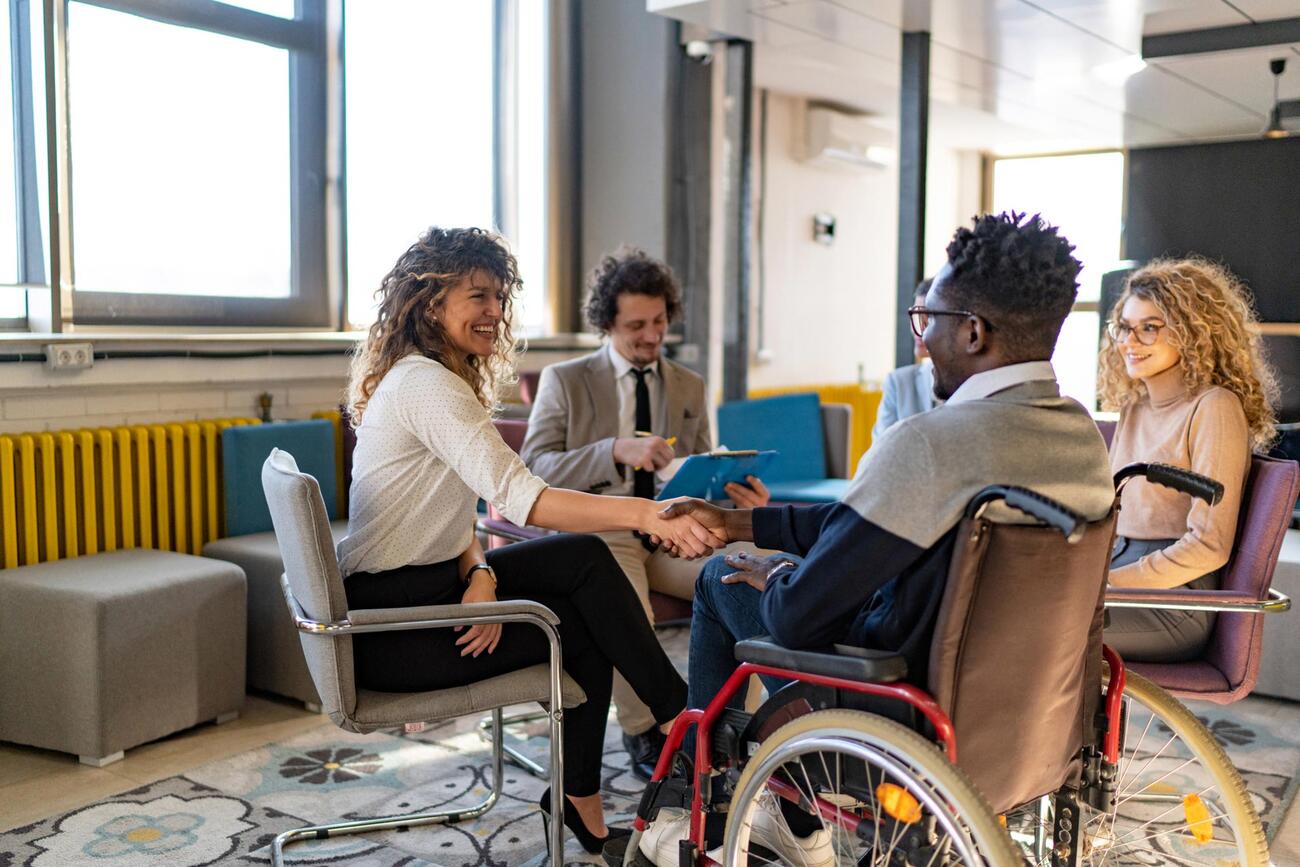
(671,441)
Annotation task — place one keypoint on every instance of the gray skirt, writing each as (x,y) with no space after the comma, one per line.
(1157,634)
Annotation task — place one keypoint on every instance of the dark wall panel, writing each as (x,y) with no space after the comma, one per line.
(1238,202)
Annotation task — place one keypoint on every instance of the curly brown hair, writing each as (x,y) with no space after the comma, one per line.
(1212,323)
(413,291)
(629,270)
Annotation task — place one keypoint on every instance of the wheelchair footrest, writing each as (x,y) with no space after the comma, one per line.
(849,663)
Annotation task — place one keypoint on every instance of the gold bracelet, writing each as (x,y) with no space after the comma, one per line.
(469,574)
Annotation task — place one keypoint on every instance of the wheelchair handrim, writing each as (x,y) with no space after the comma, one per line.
(872,751)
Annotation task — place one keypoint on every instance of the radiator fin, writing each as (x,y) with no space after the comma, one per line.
(74,492)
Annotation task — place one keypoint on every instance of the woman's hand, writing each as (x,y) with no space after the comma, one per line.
(752,496)
(484,636)
(688,531)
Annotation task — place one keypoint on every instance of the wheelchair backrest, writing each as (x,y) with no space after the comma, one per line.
(1016,654)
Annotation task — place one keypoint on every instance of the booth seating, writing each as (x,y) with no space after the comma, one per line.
(792,424)
(105,652)
(275,660)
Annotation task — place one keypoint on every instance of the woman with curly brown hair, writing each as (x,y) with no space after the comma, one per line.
(1182,364)
(421,394)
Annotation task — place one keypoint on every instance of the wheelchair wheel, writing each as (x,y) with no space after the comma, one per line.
(1178,799)
(839,787)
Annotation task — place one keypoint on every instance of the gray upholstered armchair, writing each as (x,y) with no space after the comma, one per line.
(313,589)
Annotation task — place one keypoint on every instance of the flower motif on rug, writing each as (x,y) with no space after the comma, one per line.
(188,832)
(331,765)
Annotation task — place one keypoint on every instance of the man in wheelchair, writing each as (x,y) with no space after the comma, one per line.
(870,571)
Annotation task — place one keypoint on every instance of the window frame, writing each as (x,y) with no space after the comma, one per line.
(309,303)
(986,205)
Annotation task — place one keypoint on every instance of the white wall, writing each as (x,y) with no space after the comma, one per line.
(830,311)
(151,391)
(952,198)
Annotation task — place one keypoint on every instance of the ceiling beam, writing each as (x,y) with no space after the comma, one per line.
(1282,31)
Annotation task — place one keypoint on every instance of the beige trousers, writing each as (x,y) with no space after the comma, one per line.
(659,572)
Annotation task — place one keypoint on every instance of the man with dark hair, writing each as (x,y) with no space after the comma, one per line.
(908,389)
(606,422)
(870,570)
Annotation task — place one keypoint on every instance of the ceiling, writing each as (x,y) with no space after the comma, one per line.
(1016,76)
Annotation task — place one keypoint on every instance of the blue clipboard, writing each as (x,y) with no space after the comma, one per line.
(705,476)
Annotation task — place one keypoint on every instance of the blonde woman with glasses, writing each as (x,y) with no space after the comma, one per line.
(1182,363)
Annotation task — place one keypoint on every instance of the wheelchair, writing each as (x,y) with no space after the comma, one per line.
(1030,745)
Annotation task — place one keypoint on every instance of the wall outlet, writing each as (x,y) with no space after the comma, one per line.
(69,356)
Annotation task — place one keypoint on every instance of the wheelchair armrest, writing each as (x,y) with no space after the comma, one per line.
(849,663)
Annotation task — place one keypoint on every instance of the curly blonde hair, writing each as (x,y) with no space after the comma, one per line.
(413,291)
(1211,322)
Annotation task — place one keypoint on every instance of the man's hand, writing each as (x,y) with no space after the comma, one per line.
(753,570)
(752,496)
(684,533)
(484,636)
(643,453)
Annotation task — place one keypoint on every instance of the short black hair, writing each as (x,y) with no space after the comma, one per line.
(629,270)
(1017,273)
(923,288)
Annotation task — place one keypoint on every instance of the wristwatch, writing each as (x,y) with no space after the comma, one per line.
(469,574)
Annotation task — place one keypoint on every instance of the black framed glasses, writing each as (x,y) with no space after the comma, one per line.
(1147,333)
(919,316)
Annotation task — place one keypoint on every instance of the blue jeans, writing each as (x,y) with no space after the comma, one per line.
(723,614)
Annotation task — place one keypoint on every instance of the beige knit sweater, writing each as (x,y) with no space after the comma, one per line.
(1204,432)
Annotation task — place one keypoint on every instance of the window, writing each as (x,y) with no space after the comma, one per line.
(180,182)
(533,316)
(1082,194)
(23,204)
(197,162)
(420,127)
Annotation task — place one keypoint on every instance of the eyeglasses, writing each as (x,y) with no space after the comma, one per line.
(920,317)
(1147,332)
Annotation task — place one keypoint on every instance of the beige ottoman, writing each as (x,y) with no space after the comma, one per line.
(102,653)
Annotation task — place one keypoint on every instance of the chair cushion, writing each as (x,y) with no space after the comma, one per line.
(789,423)
(377,710)
(1184,679)
(244,448)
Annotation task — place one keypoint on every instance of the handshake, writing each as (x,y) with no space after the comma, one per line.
(692,528)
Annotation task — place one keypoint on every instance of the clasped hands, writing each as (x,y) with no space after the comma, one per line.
(687,527)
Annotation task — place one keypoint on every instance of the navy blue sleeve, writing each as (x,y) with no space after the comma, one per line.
(814,605)
(794,529)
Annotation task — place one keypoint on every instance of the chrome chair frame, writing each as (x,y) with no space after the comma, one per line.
(490,730)
(1276,603)
(414,820)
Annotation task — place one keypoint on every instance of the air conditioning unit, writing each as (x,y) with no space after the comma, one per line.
(839,140)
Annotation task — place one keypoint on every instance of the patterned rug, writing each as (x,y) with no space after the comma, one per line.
(227,812)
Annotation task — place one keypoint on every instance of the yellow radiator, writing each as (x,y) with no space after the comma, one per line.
(865,402)
(74,492)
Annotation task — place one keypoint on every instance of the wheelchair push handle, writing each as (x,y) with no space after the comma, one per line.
(1184,481)
(1070,523)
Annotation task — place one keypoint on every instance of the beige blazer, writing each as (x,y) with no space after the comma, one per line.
(574,421)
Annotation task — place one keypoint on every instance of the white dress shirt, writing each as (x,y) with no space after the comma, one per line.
(981,385)
(426,452)
(626,386)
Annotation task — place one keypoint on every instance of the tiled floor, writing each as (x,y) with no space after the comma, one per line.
(38,783)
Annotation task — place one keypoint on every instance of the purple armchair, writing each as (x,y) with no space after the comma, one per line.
(1228,669)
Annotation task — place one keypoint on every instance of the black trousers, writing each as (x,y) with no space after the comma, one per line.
(1157,634)
(602,628)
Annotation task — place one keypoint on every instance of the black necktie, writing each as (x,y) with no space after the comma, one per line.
(643,481)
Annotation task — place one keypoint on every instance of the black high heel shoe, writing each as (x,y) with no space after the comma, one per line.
(574,823)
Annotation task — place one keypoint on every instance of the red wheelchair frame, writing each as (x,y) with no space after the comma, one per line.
(914,697)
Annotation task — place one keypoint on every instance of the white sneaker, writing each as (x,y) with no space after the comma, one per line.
(768,829)
(660,839)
